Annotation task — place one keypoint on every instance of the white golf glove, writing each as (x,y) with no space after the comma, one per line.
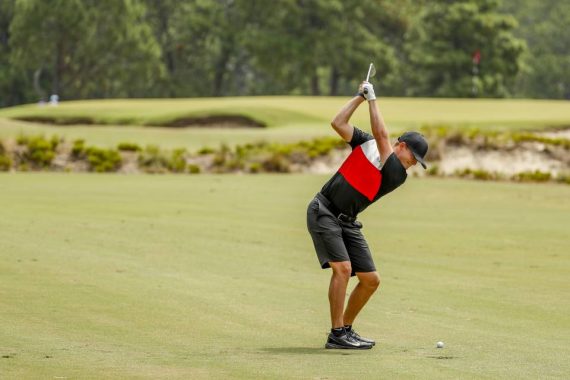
(368,91)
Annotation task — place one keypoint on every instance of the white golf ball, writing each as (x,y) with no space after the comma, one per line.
(439,345)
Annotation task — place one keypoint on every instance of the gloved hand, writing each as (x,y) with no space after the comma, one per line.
(368,91)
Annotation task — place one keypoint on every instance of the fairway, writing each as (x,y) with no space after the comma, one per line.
(288,118)
(109,276)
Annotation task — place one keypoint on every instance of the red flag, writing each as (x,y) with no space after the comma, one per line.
(476,57)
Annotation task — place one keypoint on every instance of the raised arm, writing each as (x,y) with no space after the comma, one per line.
(379,130)
(340,121)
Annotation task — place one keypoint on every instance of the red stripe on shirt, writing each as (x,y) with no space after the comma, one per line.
(361,174)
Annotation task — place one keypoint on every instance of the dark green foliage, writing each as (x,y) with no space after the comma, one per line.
(479,174)
(535,176)
(5,163)
(129,147)
(173,48)
(78,149)
(193,169)
(543,25)
(103,160)
(565,143)
(255,167)
(277,162)
(177,162)
(444,40)
(85,48)
(432,170)
(153,160)
(564,178)
(206,150)
(39,152)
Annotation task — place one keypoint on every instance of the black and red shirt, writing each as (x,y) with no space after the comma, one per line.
(362,179)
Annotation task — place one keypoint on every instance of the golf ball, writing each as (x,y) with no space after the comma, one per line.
(439,345)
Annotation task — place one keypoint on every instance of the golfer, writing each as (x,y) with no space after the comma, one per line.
(373,169)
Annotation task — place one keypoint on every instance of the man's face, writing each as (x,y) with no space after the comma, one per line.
(406,156)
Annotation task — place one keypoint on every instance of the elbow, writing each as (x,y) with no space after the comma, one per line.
(334,123)
(379,132)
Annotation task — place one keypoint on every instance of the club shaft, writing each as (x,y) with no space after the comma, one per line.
(369,70)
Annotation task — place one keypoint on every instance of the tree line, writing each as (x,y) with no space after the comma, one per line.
(82,49)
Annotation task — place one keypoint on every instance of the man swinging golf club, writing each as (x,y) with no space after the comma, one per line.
(373,169)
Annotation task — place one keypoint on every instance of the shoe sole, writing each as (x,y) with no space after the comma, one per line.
(338,346)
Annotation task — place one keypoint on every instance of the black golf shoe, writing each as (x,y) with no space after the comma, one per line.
(346,341)
(357,337)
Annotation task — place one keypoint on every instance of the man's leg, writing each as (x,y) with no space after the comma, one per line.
(367,285)
(337,290)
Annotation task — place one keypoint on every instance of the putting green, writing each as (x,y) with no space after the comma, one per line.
(109,276)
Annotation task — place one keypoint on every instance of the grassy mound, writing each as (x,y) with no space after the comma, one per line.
(286,111)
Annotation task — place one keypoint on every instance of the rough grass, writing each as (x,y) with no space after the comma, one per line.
(107,276)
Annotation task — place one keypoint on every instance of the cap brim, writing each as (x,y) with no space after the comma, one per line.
(419,159)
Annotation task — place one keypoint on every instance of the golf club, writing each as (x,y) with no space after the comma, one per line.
(371,73)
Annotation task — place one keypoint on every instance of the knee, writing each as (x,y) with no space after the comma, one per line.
(371,281)
(342,269)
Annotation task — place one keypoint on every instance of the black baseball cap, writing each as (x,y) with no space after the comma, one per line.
(417,144)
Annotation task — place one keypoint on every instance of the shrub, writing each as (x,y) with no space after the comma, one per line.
(5,163)
(479,174)
(194,169)
(242,151)
(533,176)
(55,140)
(22,140)
(563,178)
(255,167)
(433,170)
(128,147)
(152,160)
(482,174)
(40,151)
(233,164)
(103,160)
(178,160)
(222,155)
(78,149)
(206,150)
(522,137)
(277,163)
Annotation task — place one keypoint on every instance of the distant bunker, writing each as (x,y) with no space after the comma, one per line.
(215,121)
(223,121)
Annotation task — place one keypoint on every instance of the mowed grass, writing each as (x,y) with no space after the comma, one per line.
(288,118)
(109,276)
(192,139)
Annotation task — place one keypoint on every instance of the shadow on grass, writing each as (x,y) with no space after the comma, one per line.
(304,350)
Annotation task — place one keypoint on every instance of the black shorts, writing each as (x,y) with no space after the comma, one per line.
(337,240)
